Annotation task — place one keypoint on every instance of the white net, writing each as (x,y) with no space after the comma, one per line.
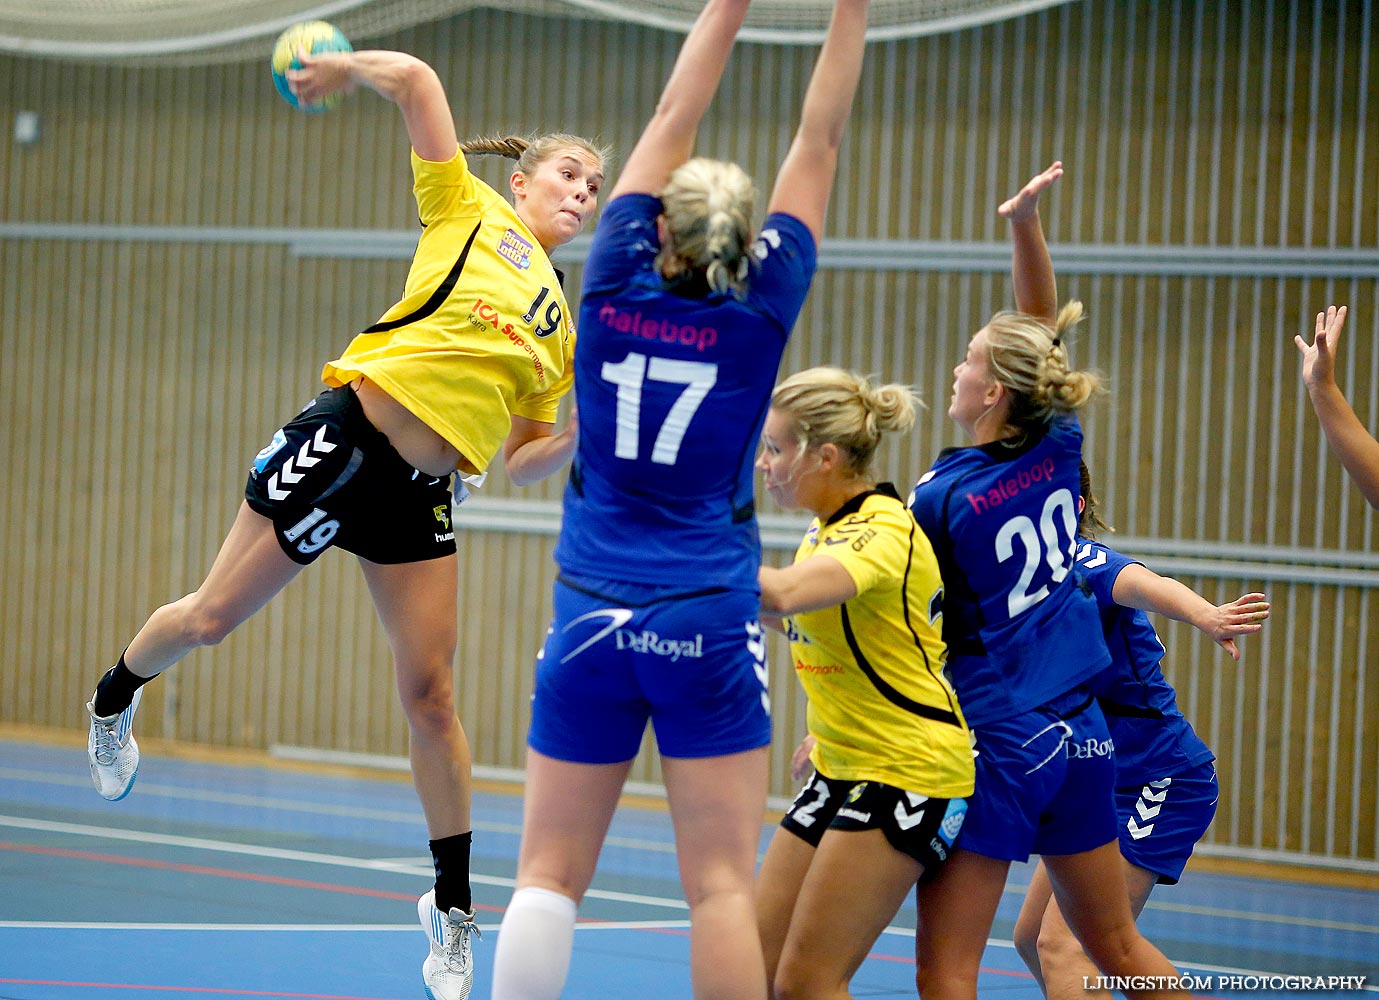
(194,32)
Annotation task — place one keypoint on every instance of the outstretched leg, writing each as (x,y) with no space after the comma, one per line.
(247,572)
(250,569)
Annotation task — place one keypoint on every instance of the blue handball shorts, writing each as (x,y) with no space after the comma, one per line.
(1045,783)
(1161,821)
(618,655)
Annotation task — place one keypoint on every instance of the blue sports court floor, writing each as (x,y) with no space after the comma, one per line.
(218,880)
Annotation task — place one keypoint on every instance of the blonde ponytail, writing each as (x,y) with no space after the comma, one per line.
(707,207)
(1030,359)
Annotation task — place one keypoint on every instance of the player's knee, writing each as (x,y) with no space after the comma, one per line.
(203,623)
(1056,946)
(723,880)
(954,983)
(1113,951)
(1026,940)
(795,982)
(430,702)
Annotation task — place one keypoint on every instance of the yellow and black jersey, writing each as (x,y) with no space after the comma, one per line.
(482,331)
(880,707)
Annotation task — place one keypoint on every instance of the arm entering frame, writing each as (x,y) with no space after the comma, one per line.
(1036,291)
(1353,444)
(1140,587)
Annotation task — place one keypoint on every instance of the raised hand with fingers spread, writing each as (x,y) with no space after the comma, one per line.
(1349,439)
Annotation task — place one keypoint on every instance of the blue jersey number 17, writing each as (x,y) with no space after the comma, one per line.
(630,374)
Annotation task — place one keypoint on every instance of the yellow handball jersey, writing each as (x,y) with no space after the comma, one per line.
(880,707)
(482,331)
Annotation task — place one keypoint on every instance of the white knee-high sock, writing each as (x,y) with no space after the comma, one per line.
(535,940)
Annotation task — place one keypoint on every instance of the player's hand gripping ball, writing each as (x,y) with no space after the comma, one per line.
(312,37)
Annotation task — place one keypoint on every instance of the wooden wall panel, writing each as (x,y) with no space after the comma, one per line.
(140,371)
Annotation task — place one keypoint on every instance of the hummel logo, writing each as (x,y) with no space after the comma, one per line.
(909,813)
(305,459)
(843,534)
(1085,556)
(1146,810)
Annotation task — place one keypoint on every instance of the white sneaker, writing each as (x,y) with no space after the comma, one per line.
(448,971)
(112,751)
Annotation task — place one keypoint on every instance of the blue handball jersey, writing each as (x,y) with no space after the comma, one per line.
(1153,740)
(1021,625)
(672,392)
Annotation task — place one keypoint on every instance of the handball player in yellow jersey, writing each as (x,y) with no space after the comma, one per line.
(891,752)
(471,363)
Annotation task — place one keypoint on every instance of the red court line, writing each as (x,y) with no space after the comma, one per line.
(878,956)
(173,866)
(185,989)
(330,887)
(1014,973)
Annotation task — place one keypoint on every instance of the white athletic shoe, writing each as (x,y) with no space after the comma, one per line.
(111,748)
(448,971)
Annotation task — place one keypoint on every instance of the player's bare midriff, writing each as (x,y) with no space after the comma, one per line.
(420,446)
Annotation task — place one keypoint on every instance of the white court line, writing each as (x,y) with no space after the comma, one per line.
(622,925)
(1232,971)
(303,857)
(1267,918)
(423,870)
(64,925)
(1195,966)
(414,818)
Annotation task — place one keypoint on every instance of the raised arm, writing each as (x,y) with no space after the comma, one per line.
(1352,443)
(403,79)
(668,138)
(806,175)
(1036,292)
(1140,587)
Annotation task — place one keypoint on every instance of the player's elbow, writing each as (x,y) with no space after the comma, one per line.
(520,473)
(412,79)
(775,599)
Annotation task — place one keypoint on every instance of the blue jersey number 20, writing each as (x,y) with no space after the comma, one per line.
(1041,544)
(630,374)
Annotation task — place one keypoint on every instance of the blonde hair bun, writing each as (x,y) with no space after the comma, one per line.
(845,409)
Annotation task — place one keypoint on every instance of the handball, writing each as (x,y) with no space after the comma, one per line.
(313,37)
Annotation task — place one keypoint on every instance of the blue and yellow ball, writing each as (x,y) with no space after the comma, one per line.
(312,37)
